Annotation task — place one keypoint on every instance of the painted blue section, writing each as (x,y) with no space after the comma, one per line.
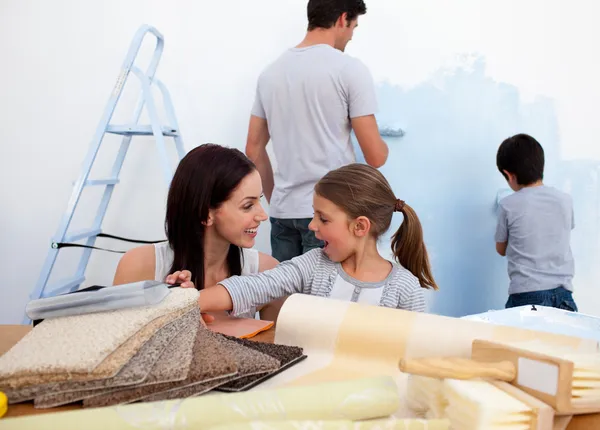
(445,168)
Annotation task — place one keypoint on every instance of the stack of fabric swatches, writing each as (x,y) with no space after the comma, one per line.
(148,353)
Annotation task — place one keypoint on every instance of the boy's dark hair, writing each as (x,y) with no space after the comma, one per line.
(522,156)
(324,13)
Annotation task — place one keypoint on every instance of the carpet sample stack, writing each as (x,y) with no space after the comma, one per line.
(148,353)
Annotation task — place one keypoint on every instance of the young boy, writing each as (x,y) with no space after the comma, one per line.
(534,229)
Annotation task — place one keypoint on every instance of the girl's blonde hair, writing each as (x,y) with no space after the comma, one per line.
(361,190)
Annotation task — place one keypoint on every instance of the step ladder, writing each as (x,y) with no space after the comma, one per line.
(160,132)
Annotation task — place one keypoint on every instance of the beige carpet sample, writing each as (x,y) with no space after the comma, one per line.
(176,336)
(210,360)
(76,345)
(109,366)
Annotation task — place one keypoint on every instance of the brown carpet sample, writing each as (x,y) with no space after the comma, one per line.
(248,361)
(189,391)
(178,335)
(210,360)
(109,367)
(287,356)
(62,346)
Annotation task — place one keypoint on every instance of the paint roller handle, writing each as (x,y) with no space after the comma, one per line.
(458,368)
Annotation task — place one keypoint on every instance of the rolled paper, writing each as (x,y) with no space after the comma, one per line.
(406,424)
(359,399)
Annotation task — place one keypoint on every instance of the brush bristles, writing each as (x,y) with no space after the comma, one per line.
(586,369)
(425,396)
(479,405)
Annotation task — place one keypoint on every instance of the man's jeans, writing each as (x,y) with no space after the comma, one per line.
(291,237)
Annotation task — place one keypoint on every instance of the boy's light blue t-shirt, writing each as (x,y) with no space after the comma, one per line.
(537,223)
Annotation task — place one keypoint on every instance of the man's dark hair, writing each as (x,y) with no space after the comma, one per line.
(324,13)
(522,156)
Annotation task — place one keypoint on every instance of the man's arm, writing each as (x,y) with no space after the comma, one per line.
(256,150)
(373,147)
(362,105)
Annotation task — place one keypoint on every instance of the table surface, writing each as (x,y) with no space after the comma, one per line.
(11,334)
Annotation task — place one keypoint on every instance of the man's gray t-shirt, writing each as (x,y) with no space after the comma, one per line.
(537,223)
(308,96)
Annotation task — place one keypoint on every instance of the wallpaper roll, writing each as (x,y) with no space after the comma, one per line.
(408,424)
(359,399)
(345,341)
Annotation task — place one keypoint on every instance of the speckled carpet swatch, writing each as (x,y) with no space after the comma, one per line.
(175,339)
(249,361)
(147,352)
(59,348)
(286,355)
(209,360)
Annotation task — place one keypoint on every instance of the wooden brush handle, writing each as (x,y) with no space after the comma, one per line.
(458,368)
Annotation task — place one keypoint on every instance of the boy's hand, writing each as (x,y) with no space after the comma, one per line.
(183,277)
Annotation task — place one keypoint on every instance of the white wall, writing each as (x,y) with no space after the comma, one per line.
(60,60)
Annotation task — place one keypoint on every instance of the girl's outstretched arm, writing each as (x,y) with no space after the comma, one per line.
(241,293)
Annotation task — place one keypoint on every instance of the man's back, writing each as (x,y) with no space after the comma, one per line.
(308,96)
(537,221)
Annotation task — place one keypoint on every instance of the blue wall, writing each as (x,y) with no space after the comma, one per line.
(444,167)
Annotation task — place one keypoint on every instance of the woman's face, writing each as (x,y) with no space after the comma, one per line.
(238,218)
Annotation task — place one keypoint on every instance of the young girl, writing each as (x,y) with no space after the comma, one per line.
(213,214)
(353,207)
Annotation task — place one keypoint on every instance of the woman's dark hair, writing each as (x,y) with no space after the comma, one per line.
(204,179)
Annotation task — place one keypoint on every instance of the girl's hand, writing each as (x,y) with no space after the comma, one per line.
(206,319)
(183,277)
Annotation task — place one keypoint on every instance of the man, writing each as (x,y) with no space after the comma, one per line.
(307,102)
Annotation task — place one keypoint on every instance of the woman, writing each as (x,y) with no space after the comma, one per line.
(213,214)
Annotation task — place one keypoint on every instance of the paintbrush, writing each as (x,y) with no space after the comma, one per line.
(567,381)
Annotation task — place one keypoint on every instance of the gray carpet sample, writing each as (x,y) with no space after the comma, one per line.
(210,360)
(249,361)
(178,336)
(287,356)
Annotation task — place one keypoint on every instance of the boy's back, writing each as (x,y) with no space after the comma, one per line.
(537,222)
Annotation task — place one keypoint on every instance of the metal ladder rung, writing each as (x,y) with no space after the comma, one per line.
(139,130)
(82,234)
(111,181)
(63,286)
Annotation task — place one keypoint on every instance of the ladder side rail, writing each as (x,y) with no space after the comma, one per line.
(155,123)
(170,111)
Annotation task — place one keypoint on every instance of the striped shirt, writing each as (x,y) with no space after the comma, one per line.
(315,274)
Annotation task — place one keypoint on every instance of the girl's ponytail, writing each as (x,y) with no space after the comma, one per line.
(409,248)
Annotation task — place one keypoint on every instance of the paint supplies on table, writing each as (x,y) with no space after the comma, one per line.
(524,383)
(98,299)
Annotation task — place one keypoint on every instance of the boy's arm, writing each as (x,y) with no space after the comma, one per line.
(501,248)
(241,293)
(501,235)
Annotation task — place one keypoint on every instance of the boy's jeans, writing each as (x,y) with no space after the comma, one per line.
(560,298)
(291,237)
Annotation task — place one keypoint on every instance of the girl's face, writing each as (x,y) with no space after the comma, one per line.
(331,224)
(238,218)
